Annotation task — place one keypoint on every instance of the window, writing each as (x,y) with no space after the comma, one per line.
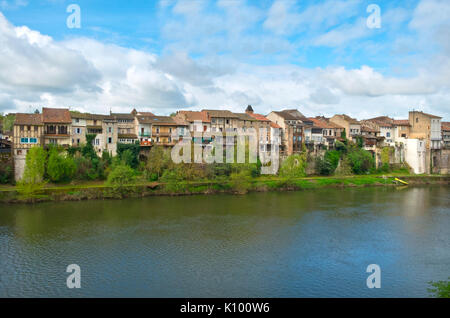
(19,152)
(29,128)
(77,120)
(170,130)
(109,140)
(33,140)
(23,140)
(21,128)
(388,134)
(417,119)
(157,130)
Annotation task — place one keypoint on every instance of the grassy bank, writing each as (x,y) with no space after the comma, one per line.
(99,190)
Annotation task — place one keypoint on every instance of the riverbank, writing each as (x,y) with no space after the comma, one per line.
(98,190)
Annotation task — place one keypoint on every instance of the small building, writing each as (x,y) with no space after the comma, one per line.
(222,120)
(426,126)
(445,128)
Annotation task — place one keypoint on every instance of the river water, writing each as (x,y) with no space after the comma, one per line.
(312,243)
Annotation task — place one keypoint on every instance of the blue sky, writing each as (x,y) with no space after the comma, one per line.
(319,56)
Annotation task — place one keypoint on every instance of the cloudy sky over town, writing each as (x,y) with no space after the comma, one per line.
(318,56)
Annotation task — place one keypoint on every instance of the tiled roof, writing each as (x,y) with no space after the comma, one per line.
(28,119)
(285,116)
(245,116)
(56,115)
(445,125)
(274,125)
(122,115)
(258,117)
(161,120)
(401,122)
(220,113)
(145,114)
(192,116)
(78,115)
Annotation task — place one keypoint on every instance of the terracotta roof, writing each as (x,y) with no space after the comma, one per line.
(220,113)
(56,115)
(192,116)
(78,115)
(28,119)
(445,125)
(258,117)
(401,122)
(161,120)
(274,125)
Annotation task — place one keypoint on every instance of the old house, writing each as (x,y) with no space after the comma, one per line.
(57,126)
(126,126)
(445,128)
(291,123)
(351,125)
(28,131)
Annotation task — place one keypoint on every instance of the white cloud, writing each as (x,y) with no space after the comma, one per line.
(93,76)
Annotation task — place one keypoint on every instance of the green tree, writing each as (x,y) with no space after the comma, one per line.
(158,161)
(361,161)
(60,167)
(34,166)
(121,176)
(129,154)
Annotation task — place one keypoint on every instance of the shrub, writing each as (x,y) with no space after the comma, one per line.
(360,160)
(294,166)
(328,164)
(60,167)
(34,166)
(120,177)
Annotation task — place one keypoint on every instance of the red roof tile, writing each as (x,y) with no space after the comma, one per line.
(56,115)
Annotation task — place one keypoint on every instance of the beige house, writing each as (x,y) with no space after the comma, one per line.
(425,126)
(222,120)
(351,125)
(126,126)
(291,125)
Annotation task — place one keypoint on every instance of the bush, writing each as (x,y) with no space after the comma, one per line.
(120,177)
(361,161)
(327,165)
(6,174)
(294,166)
(60,167)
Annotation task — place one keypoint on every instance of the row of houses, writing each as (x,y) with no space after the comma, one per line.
(418,138)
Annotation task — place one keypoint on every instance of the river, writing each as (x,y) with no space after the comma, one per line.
(312,243)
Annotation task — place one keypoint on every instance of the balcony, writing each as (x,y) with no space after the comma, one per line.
(144,134)
(146,143)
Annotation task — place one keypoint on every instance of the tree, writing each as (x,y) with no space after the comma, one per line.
(158,161)
(360,160)
(60,167)
(34,166)
(121,176)
(129,154)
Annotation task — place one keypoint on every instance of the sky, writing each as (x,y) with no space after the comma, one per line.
(321,57)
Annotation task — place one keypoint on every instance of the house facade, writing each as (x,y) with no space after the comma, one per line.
(57,126)
(291,131)
(28,132)
(351,125)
